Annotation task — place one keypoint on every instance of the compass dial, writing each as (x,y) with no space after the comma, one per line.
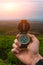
(24,39)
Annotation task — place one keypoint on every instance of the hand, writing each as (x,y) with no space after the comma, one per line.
(26,56)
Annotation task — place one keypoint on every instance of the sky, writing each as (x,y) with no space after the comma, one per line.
(21,9)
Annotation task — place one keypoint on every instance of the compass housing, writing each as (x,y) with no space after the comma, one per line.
(23,27)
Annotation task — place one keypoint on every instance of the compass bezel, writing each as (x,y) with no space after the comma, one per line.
(25,35)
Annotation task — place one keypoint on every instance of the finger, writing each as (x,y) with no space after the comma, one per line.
(14,45)
(15,50)
(17,36)
(33,37)
(17,47)
(17,42)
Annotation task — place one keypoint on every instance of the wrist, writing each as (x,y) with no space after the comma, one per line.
(40,62)
(36,59)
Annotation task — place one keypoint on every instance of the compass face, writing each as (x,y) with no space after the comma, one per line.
(24,39)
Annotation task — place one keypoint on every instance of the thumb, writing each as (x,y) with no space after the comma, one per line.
(17,36)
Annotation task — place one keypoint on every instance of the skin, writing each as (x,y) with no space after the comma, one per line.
(29,56)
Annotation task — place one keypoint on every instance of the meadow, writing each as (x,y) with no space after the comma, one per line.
(6,57)
(8,32)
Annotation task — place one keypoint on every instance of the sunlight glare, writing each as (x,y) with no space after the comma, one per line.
(10,6)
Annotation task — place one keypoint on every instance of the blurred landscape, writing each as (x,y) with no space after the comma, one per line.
(11,13)
(11,27)
(8,32)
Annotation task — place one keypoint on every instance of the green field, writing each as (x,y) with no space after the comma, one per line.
(6,57)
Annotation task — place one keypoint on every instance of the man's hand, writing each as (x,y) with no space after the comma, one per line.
(26,56)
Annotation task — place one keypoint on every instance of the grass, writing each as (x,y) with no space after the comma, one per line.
(41,44)
(6,57)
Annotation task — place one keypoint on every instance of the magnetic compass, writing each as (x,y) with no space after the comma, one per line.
(23,27)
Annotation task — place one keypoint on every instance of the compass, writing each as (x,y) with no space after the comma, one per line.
(23,27)
(24,39)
